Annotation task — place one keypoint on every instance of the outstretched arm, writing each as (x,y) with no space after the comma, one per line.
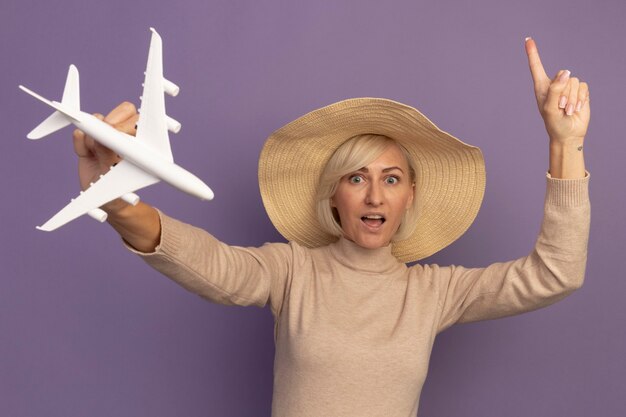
(563,103)
(190,256)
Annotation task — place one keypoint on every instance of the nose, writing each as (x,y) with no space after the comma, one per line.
(374,195)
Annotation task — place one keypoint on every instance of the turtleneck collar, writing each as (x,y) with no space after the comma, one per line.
(362,259)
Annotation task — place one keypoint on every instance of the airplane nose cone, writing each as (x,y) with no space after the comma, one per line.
(207,193)
(185,181)
(200,189)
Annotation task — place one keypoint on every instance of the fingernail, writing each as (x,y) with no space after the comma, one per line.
(562,102)
(579,105)
(570,110)
(527,38)
(564,76)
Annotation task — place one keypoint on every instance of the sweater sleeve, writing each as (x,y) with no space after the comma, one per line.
(553,270)
(223,274)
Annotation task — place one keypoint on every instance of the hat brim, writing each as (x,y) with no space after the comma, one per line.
(450,173)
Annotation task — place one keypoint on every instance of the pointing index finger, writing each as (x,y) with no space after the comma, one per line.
(534,62)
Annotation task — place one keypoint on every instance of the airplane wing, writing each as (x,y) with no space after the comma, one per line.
(123,178)
(152,124)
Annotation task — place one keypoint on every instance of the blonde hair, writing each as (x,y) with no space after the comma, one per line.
(352,155)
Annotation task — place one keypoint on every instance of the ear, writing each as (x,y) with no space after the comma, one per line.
(409,202)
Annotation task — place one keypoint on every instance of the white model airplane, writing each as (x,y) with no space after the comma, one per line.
(146,157)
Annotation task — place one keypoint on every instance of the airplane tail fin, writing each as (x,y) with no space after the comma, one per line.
(71,92)
(66,111)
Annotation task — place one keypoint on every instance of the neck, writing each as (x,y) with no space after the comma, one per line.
(356,257)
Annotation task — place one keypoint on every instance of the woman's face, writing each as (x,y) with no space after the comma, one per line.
(371,201)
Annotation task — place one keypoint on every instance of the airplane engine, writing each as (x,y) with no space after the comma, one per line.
(98,214)
(170,88)
(131,198)
(173,125)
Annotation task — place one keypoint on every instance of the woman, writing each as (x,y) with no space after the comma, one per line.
(358,188)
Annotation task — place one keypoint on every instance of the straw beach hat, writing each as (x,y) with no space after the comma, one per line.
(450,174)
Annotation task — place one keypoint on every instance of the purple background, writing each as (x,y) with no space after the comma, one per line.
(87,329)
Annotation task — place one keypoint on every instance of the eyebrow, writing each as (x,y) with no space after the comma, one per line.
(365,169)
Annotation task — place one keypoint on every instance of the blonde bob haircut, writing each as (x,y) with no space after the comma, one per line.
(354,154)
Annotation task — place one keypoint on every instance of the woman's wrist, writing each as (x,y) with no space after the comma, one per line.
(567,158)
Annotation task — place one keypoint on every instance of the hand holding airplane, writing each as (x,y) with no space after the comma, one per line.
(145,159)
(95,159)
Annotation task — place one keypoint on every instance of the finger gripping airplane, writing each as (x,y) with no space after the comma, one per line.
(146,158)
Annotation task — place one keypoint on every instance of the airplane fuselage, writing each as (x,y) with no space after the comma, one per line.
(135,152)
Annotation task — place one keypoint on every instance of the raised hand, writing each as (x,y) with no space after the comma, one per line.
(563,101)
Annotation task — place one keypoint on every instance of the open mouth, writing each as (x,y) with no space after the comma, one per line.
(373,220)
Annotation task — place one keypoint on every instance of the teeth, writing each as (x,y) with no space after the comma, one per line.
(374,217)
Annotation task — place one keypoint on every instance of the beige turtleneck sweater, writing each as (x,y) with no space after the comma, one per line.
(354,328)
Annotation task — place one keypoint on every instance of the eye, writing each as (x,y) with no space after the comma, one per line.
(392,180)
(355,179)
